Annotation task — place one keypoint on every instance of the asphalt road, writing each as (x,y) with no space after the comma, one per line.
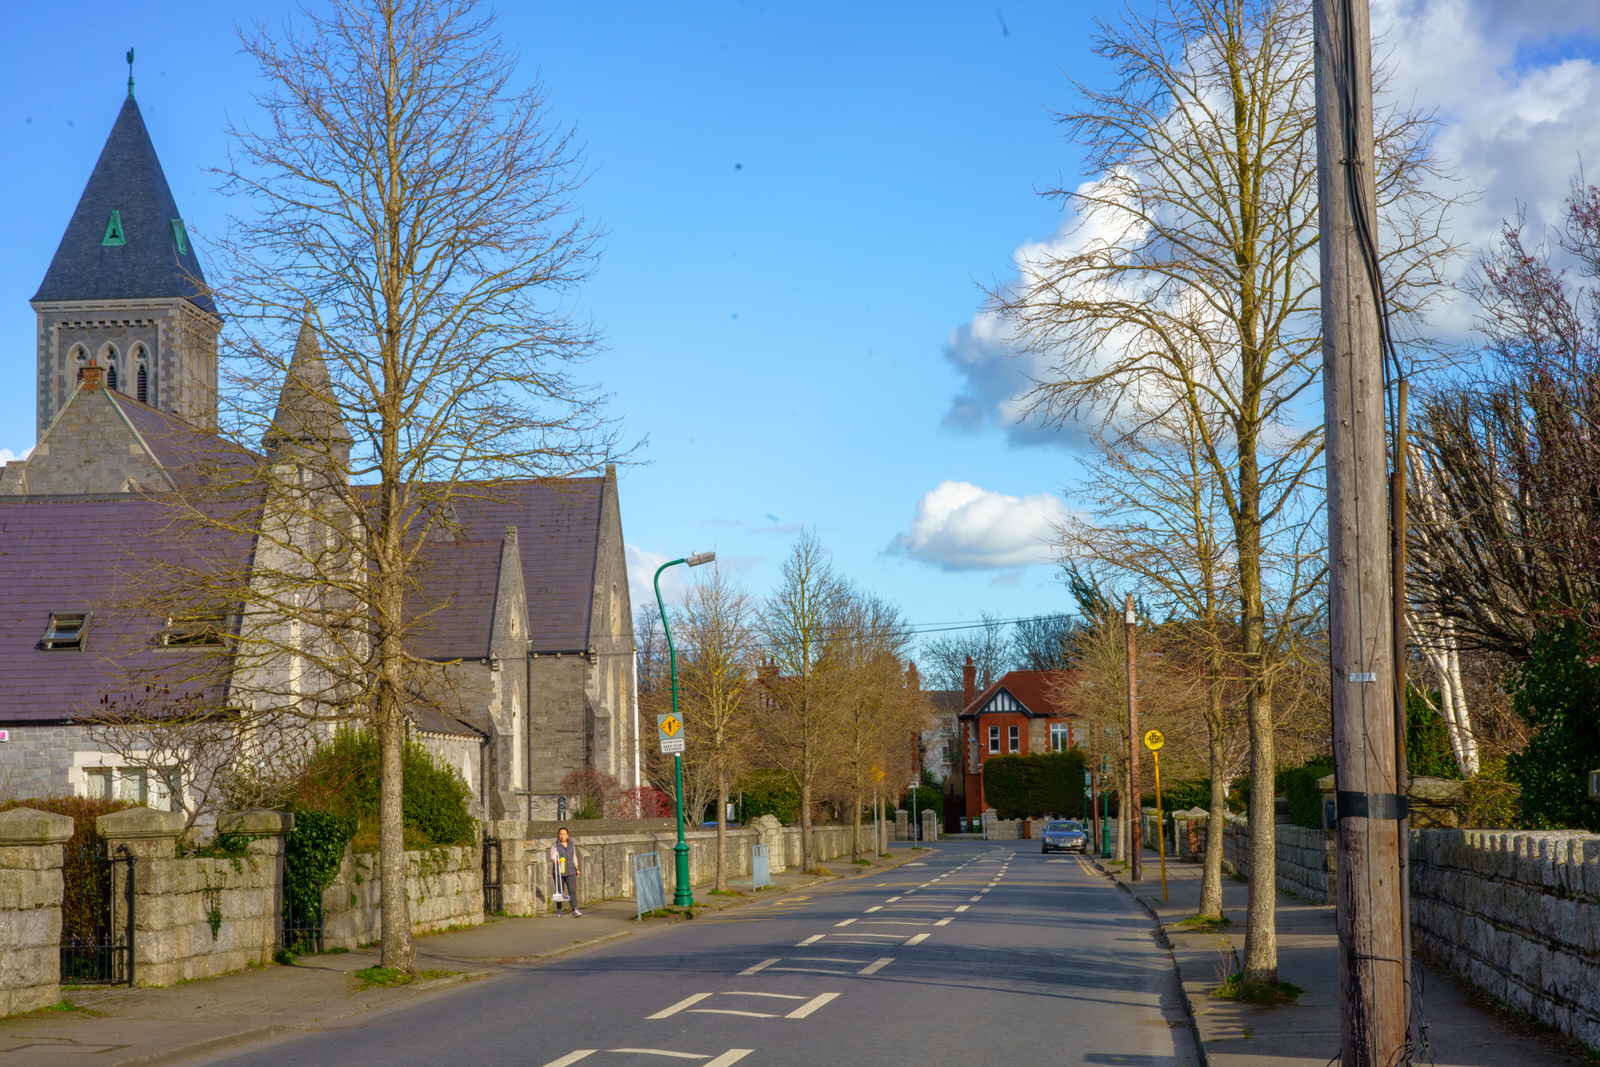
(978,955)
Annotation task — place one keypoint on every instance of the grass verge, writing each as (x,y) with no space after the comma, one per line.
(387,977)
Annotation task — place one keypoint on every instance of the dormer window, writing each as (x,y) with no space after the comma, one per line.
(66,630)
(191,630)
(180,238)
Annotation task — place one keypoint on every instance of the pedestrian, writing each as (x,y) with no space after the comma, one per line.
(564,861)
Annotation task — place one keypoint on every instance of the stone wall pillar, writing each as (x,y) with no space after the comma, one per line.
(30,908)
(770,832)
(930,825)
(148,836)
(902,824)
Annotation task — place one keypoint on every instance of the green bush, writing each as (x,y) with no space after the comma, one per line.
(767,793)
(1428,752)
(341,777)
(1557,692)
(1491,798)
(1045,783)
(1299,786)
(84,887)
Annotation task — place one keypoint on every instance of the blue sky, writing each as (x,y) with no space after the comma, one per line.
(801,202)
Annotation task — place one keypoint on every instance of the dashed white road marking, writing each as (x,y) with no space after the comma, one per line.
(763,965)
(891,900)
(974,900)
(806,1009)
(876,965)
(846,922)
(730,1057)
(572,1057)
(918,939)
(983,891)
(809,940)
(964,907)
(875,907)
(682,1004)
(942,922)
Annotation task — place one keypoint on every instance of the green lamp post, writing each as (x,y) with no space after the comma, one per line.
(682,896)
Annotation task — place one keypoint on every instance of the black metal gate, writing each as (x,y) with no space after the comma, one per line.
(92,949)
(302,917)
(493,871)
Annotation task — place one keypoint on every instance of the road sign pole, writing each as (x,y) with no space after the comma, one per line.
(682,894)
(1153,741)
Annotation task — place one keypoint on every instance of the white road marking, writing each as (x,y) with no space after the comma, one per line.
(760,966)
(943,922)
(964,907)
(891,900)
(809,940)
(732,1011)
(730,1057)
(684,1003)
(875,907)
(806,1009)
(918,939)
(974,900)
(876,965)
(659,1052)
(846,922)
(572,1057)
(776,996)
(983,891)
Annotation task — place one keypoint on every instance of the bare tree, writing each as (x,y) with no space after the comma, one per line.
(719,677)
(988,644)
(805,637)
(880,704)
(1191,284)
(404,190)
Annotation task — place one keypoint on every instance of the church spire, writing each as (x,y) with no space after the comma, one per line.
(126,240)
(308,421)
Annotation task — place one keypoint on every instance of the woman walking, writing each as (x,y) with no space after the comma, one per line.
(564,860)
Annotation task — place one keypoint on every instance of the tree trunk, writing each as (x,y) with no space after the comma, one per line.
(1260,933)
(1211,873)
(722,835)
(855,836)
(395,929)
(807,853)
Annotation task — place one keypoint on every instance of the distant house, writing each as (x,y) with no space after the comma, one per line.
(1017,715)
(524,589)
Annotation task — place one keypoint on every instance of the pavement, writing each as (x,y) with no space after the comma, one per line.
(1462,1030)
(122,1026)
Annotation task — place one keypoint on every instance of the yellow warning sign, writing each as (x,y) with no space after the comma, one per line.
(669,725)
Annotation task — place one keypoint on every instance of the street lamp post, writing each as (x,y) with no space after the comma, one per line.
(682,895)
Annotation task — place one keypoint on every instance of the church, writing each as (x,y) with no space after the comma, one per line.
(524,589)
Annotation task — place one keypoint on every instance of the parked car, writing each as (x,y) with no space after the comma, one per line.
(1063,835)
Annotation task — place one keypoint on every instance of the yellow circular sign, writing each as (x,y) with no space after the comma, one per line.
(1153,740)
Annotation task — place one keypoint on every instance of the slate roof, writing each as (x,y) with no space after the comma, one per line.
(82,554)
(127,179)
(1032,689)
(188,454)
(558,535)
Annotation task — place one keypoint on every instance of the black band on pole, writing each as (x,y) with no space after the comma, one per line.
(1352,805)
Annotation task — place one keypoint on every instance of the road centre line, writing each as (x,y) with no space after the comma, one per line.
(846,922)
(810,940)
(963,907)
(876,965)
(916,940)
(943,922)
(806,1009)
(572,1057)
(760,966)
(974,900)
(891,900)
(875,907)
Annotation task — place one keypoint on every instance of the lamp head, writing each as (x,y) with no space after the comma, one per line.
(700,557)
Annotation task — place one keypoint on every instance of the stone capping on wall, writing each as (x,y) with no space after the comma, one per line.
(31,845)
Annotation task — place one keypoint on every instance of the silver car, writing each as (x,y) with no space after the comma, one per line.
(1063,835)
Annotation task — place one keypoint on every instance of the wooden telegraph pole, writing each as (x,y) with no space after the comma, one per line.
(1131,802)
(1372,970)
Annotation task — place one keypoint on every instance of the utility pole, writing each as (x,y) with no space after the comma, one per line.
(1135,815)
(1372,969)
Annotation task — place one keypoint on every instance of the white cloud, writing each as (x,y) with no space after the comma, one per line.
(641,577)
(960,527)
(6,455)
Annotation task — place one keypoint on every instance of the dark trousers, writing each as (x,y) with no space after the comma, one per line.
(568,884)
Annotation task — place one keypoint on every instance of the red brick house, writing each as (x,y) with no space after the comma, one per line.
(1017,715)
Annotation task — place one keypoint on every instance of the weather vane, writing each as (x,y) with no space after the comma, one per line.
(130,74)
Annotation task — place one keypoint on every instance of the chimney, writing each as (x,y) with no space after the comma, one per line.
(92,372)
(969,679)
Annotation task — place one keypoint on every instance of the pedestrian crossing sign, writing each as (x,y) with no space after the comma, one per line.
(669,730)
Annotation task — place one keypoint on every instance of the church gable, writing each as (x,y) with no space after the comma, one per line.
(90,447)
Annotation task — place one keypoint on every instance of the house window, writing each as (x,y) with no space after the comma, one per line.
(66,630)
(994,739)
(1013,732)
(153,787)
(1060,736)
(195,630)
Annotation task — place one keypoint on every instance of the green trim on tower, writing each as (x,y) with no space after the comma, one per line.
(180,238)
(114,234)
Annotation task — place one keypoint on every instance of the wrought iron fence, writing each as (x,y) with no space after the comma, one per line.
(302,917)
(93,950)
(493,873)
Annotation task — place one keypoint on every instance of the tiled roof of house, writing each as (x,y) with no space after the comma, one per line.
(85,554)
(558,534)
(1032,689)
(188,454)
(155,258)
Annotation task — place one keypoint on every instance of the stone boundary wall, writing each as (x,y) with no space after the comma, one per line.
(1306,859)
(30,908)
(176,899)
(606,860)
(444,886)
(1514,912)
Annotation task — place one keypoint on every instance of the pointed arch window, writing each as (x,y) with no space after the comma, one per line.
(80,356)
(111,377)
(143,383)
(110,356)
(114,234)
(141,360)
